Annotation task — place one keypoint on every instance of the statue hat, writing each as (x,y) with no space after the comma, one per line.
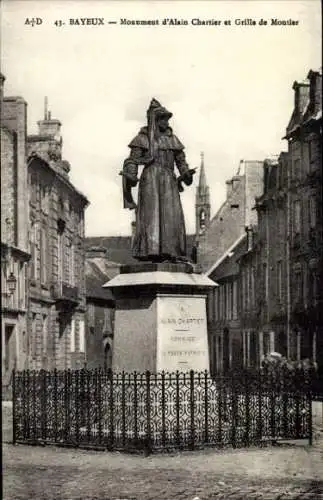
(159,110)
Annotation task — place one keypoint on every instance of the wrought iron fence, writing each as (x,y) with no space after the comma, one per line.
(128,411)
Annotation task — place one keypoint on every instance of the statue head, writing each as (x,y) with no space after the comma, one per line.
(160,114)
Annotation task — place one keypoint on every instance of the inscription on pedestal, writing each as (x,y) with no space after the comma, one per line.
(182,333)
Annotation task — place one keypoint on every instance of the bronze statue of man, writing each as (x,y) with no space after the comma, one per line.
(160,227)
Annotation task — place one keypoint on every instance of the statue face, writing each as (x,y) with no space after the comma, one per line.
(162,124)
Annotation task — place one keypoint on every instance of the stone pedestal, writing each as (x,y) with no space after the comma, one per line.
(160,318)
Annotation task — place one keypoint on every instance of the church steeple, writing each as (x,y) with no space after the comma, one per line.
(202,180)
(202,202)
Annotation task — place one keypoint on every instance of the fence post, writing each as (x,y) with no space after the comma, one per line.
(247,403)
(163,409)
(14,403)
(234,422)
(285,388)
(44,407)
(67,403)
(206,409)
(77,407)
(88,406)
(24,404)
(123,408)
(34,406)
(178,440)
(260,398)
(297,402)
(55,406)
(220,403)
(111,405)
(310,417)
(98,381)
(192,423)
(273,384)
(135,409)
(148,438)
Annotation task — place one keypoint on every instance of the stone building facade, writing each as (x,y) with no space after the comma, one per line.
(263,268)
(226,347)
(304,136)
(14,235)
(56,273)
(100,307)
(285,253)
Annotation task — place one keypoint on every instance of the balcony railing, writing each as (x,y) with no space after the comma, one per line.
(64,292)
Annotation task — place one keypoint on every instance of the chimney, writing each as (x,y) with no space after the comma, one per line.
(229,187)
(301,96)
(315,79)
(49,126)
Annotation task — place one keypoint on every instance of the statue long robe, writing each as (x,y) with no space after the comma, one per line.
(160,227)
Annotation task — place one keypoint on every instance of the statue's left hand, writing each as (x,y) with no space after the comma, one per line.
(188,178)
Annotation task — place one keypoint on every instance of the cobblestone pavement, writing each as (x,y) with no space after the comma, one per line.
(57,473)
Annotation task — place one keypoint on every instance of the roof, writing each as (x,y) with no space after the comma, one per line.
(119,247)
(311,109)
(43,158)
(97,273)
(227,255)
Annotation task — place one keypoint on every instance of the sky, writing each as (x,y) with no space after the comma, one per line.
(229,87)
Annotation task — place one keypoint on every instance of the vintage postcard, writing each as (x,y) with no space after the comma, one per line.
(161,249)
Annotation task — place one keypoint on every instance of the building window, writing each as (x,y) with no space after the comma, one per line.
(279,281)
(253,281)
(312,211)
(70,259)
(223,301)
(45,335)
(61,257)
(266,343)
(245,287)
(91,315)
(312,288)
(265,279)
(234,300)
(108,323)
(72,335)
(81,336)
(43,256)
(81,224)
(34,334)
(296,217)
(296,168)
(44,199)
(33,190)
(298,287)
(227,301)
(21,285)
(311,152)
(33,251)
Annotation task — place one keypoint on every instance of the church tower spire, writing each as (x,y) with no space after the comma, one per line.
(202,202)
